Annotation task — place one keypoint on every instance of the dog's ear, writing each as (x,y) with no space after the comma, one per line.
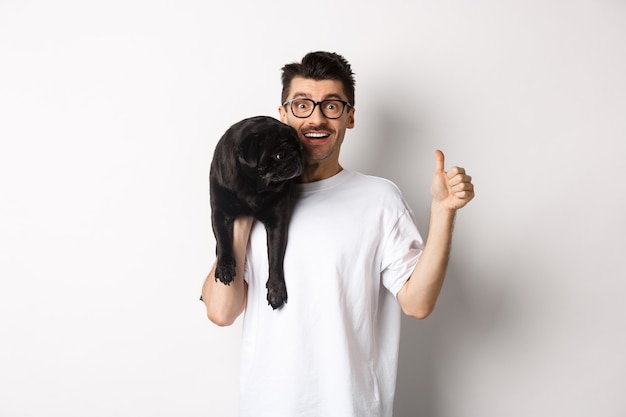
(248,152)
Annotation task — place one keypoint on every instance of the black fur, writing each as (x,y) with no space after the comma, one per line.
(252,174)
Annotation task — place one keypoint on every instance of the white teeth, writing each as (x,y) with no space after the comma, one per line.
(316,135)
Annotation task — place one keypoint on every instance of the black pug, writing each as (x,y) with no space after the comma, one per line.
(252,174)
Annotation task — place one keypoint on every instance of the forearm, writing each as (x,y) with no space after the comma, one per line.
(224,303)
(419,294)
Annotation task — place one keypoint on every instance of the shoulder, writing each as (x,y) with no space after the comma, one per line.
(376,192)
(377,185)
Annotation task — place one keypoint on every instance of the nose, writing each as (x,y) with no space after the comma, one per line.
(317,116)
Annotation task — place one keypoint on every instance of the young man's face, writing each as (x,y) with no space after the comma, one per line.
(320,136)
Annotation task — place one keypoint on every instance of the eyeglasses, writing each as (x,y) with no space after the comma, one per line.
(304,107)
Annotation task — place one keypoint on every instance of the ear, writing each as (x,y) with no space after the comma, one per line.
(351,118)
(283,114)
(248,150)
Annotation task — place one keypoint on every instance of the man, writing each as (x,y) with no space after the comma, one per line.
(351,266)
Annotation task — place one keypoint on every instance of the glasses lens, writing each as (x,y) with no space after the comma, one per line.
(302,107)
(332,108)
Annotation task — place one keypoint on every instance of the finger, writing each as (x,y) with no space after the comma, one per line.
(456,171)
(464,190)
(439,161)
(458,179)
(462,186)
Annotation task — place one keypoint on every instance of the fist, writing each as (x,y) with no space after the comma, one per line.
(452,189)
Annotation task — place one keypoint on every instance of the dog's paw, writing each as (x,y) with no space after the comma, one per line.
(225,272)
(276,293)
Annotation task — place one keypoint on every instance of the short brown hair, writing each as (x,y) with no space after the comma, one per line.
(320,66)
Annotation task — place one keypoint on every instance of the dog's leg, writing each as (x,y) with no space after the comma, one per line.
(277,245)
(223,230)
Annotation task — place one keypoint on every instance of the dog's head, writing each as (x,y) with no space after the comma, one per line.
(269,150)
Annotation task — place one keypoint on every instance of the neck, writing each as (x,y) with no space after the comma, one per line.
(315,171)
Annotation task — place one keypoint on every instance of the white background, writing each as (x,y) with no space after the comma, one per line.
(109,112)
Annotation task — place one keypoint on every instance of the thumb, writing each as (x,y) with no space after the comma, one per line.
(439,165)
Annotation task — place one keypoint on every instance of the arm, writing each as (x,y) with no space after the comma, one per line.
(224,303)
(451,191)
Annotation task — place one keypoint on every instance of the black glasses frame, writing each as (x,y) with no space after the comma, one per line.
(315,104)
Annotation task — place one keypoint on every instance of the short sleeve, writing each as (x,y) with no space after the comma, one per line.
(401,251)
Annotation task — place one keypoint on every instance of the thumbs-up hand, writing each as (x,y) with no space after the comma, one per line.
(452,189)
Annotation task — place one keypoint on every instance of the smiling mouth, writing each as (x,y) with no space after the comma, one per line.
(316,135)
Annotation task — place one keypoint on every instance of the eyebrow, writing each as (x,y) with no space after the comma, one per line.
(333,96)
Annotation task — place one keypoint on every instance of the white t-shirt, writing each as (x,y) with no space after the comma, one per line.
(332,350)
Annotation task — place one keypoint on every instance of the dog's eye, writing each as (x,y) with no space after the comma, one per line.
(279,156)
